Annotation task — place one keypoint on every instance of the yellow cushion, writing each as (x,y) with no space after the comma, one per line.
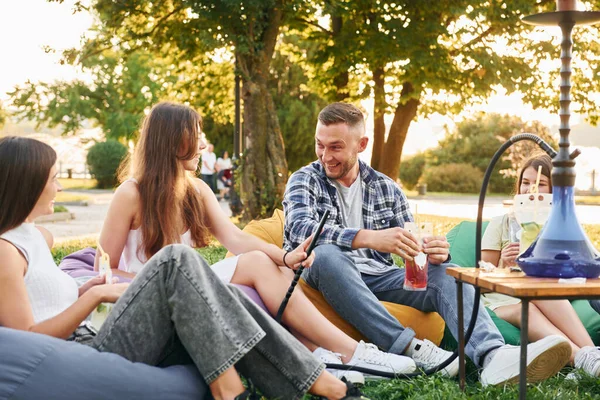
(269,229)
(426,325)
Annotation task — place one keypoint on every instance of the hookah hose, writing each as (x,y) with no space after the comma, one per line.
(298,272)
(517,138)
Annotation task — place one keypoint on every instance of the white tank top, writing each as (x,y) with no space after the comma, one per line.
(131,260)
(50,290)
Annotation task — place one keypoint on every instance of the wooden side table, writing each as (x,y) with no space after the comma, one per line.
(515,284)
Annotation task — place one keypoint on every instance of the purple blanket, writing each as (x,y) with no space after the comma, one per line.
(81,264)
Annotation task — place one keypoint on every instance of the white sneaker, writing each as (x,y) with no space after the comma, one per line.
(588,360)
(427,355)
(544,359)
(367,355)
(329,357)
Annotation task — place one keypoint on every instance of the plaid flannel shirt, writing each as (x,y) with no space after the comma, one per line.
(309,193)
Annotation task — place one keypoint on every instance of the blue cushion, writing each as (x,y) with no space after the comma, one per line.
(35,366)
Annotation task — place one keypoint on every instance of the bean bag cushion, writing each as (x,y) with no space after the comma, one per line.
(35,366)
(426,325)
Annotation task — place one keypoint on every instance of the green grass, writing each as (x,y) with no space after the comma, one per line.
(60,208)
(65,197)
(415,194)
(588,200)
(435,387)
(79,184)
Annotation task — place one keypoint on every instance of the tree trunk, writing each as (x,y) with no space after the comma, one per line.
(405,113)
(340,81)
(379,107)
(264,168)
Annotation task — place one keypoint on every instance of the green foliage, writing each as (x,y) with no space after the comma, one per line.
(297,107)
(475,140)
(459,178)
(3,115)
(60,208)
(104,159)
(411,170)
(443,55)
(122,89)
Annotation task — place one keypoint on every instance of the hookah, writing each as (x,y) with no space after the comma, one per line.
(562,249)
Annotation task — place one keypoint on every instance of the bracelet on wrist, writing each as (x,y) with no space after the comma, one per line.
(284,263)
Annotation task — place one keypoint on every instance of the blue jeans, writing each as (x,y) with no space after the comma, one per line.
(356,296)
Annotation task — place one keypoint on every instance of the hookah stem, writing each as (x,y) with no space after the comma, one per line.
(298,273)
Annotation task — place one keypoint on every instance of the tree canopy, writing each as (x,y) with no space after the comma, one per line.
(420,57)
(474,142)
(414,58)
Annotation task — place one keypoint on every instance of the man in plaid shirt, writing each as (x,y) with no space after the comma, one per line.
(353,267)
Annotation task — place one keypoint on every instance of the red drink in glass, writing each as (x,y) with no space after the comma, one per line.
(415,278)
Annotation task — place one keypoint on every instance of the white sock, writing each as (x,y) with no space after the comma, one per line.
(414,345)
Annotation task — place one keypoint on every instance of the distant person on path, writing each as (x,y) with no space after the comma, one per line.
(354,270)
(208,169)
(546,317)
(223,167)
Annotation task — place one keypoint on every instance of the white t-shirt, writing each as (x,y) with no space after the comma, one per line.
(223,164)
(351,202)
(210,159)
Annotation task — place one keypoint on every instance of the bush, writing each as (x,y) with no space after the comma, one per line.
(458,178)
(104,159)
(411,170)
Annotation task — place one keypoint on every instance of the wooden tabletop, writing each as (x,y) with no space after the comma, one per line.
(517,284)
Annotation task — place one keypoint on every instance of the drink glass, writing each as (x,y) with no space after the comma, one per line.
(415,277)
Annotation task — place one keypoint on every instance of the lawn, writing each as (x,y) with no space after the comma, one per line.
(66,197)
(433,388)
(77,184)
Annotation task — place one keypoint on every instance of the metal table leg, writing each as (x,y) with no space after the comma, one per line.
(461,336)
(524,341)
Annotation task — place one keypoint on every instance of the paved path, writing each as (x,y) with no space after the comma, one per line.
(88,220)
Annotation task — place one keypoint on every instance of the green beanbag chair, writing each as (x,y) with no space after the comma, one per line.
(462,249)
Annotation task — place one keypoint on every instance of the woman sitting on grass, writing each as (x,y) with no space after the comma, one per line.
(546,317)
(173,311)
(163,203)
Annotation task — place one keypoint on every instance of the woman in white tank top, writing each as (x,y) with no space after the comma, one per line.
(176,305)
(164,203)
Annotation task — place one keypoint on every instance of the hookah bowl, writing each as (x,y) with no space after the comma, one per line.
(562,249)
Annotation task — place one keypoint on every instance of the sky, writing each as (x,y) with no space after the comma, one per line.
(26,26)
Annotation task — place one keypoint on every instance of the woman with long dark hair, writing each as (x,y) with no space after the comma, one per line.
(177,311)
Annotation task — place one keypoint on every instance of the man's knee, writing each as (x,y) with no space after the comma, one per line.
(331,263)
(437,272)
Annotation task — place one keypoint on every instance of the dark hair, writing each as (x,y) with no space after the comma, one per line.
(167,193)
(537,160)
(25,166)
(337,113)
